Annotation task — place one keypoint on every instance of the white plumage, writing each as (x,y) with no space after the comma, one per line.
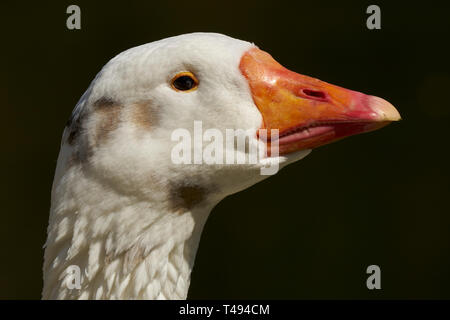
(121,210)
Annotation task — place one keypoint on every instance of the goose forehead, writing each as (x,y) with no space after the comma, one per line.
(201,51)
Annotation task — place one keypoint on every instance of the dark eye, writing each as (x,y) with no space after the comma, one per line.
(185,81)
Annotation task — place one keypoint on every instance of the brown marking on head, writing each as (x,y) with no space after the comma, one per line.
(104,103)
(75,127)
(185,197)
(81,150)
(144,115)
(108,112)
(80,154)
(73,135)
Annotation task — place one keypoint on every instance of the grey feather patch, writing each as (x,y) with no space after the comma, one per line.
(185,197)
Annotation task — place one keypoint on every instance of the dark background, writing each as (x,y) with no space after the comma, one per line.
(310,231)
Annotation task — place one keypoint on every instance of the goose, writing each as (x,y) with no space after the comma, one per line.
(127,215)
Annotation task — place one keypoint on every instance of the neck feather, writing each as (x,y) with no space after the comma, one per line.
(125,246)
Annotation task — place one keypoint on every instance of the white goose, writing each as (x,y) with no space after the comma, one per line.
(122,210)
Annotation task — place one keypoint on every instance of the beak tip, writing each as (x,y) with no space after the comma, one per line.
(384,110)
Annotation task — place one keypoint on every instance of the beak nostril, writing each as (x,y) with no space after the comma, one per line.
(315,94)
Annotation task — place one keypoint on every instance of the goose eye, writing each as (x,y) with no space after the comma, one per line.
(185,81)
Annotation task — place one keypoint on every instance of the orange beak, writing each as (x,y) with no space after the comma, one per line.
(307,112)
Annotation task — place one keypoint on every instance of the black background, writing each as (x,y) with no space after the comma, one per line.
(310,231)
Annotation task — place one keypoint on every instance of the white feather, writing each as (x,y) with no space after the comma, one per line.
(111,213)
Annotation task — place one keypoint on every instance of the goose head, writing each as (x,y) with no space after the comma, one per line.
(154,144)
